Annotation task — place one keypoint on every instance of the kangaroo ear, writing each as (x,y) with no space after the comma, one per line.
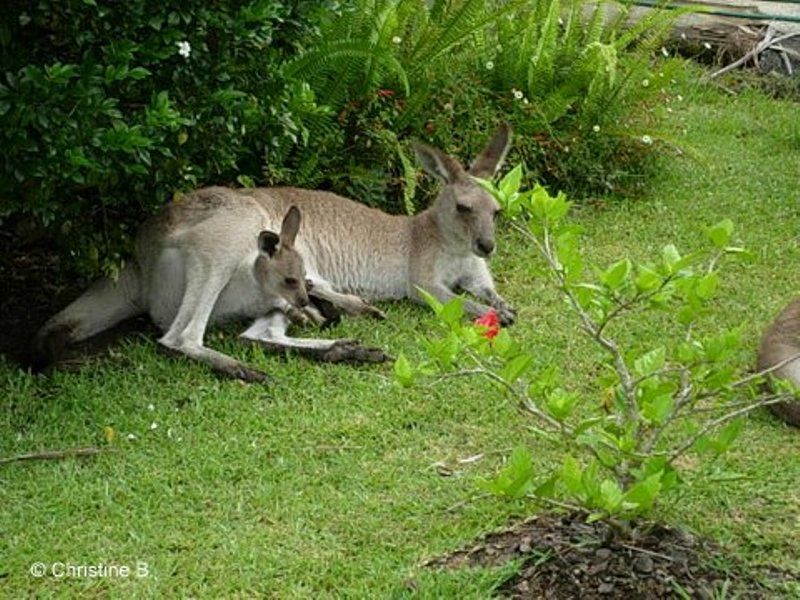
(489,160)
(290,226)
(268,242)
(437,163)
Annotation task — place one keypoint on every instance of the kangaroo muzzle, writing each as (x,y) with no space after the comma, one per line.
(484,247)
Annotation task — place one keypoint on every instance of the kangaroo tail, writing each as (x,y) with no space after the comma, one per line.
(103,305)
(780,343)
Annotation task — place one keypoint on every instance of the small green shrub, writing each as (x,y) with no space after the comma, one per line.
(651,403)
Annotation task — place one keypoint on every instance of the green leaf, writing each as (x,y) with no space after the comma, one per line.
(610,495)
(707,286)
(650,362)
(561,403)
(516,478)
(670,257)
(614,276)
(453,311)
(647,279)
(509,185)
(571,475)
(516,367)
(430,300)
(402,371)
(644,493)
(138,73)
(658,409)
(720,234)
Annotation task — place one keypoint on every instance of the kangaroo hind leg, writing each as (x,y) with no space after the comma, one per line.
(102,306)
(185,335)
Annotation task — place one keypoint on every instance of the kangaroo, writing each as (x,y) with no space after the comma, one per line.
(355,253)
(781,342)
(204,260)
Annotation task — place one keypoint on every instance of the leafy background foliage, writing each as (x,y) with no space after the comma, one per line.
(103,120)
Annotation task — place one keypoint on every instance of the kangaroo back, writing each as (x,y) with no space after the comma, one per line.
(781,342)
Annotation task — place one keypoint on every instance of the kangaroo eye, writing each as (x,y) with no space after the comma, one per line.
(463,209)
(291,282)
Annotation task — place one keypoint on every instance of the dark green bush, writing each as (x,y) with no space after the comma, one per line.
(108,108)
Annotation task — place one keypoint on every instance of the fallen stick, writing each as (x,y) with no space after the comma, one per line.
(51,455)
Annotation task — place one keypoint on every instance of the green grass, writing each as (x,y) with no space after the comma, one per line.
(324,484)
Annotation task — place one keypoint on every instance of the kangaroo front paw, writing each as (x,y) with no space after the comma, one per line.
(373,311)
(352,352)
(506,314)
(244,373)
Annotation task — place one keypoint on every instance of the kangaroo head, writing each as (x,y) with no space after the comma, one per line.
(464,211)
(279,267)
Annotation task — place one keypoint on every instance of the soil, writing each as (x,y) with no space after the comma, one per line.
(565,557)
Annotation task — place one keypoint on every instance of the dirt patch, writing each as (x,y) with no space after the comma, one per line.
(566,557)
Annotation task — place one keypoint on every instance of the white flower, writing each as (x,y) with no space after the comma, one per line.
(184,49)
(525,101)
(153,425)
(24,19)
(566,148)
(151,407)
(664,51)
(489,65)
(645,82)
(706,45)
(680,98)
(131,437)
(448,106)
(647,140)
(397,39)
(596,128)
(517,94)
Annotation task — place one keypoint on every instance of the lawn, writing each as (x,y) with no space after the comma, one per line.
(326,482)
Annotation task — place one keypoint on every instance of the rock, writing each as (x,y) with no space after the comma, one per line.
(605,588)
(643,564)
(603,553)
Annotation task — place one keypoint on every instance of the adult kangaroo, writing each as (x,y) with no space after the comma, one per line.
(780,343)
(362,252)
(208,258)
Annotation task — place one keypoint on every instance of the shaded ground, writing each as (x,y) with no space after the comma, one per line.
(565,557)
(35,287)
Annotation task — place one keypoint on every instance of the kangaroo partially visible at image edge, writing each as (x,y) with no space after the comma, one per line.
(781,342)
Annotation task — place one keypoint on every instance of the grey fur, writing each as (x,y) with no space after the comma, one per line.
(781,342)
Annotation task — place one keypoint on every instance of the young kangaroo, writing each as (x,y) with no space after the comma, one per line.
(349,248)
(203,260)
(781,342)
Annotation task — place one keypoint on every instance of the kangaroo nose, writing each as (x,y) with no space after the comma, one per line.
(486,247)
(302,301)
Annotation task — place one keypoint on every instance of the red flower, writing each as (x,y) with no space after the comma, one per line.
(386,93)
(490,323)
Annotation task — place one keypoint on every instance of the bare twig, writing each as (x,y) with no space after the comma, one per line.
(711,425)
(51,455)
(650,552)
